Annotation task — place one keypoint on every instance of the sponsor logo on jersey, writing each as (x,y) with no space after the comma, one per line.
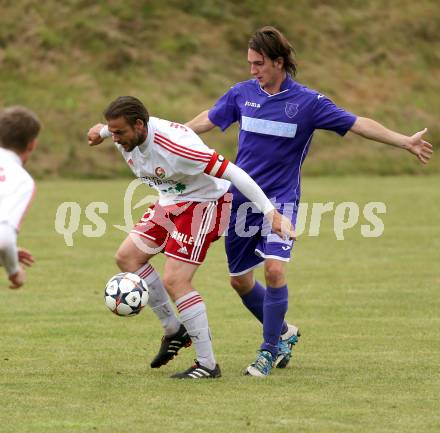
(268,127)
(183,238)
(154,181)
(252,104)
(178,188)
(291,110)
(160,172)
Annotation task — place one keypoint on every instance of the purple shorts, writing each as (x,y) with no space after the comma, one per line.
(249,241)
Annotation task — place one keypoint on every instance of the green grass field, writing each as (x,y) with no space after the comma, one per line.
(368,360)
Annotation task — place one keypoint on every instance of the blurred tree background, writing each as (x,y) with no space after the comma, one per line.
(66,60)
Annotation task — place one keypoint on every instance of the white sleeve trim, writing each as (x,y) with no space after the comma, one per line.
(104,132)
(247,186)
(8,249)
(19,202)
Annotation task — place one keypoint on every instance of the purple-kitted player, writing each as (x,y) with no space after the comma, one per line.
(277,118)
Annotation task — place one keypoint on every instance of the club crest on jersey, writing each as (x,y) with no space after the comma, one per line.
(160,172)
(291,110)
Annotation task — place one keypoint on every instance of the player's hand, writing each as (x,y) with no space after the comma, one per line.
(25,257)
(419,147)
(281,225)
(93,134)
(17,279)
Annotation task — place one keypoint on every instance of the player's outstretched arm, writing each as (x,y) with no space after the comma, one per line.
(281,225)
(201,123)
(414,144)
(94,135)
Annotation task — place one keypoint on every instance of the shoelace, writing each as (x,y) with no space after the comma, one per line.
(261,362)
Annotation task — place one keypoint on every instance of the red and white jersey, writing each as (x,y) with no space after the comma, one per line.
(175,161)
(16,189)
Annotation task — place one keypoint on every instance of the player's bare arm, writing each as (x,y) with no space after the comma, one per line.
(94,137)
(414,144)
(201,123)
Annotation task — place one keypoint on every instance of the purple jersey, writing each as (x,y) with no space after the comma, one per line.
(276,131)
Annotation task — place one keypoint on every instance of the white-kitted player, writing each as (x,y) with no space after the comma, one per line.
(19,129)
(191,213)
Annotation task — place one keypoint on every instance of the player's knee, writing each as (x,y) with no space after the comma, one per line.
(240,285)
(120,260)
(176,285)
(236,284)
(274,274)
(124,261)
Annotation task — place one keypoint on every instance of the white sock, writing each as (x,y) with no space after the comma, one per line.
(158,299)
(192,311)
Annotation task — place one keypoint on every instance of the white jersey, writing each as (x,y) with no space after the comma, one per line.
(175,161)
(16,189)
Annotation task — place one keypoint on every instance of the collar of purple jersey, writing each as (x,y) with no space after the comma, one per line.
(287,84)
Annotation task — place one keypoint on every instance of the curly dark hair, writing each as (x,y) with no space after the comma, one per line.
(128,107)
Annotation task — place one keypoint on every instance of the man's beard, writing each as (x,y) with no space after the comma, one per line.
(137,141)
(140,138)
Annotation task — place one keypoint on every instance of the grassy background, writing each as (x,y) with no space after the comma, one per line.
(67,60)
(368,360)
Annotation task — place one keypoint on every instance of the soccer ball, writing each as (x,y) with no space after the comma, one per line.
(126,294)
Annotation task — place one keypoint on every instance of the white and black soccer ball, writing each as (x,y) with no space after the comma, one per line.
(126,294)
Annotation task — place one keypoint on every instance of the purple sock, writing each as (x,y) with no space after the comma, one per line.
(254,301)
(275,308)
